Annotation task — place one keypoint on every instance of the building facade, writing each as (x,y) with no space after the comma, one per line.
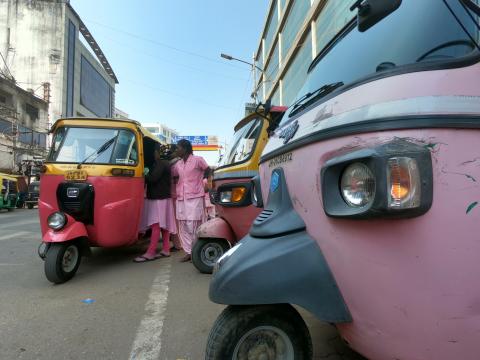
(41,41)
(23,127)
(164,133)
(295,32)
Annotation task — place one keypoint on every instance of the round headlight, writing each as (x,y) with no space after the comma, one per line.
(57,220)
(357,185)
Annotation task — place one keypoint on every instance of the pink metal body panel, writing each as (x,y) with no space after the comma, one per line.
(73,230)
(117,208)
(241,218)
(216,228)
(411,285)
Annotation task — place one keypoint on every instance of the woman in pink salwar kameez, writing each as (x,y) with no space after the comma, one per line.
(190,193)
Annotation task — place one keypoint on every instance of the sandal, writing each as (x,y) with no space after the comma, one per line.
(186,258)
(161,255)
(143,258)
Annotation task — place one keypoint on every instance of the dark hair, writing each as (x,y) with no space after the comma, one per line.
(186,145)
(165,151)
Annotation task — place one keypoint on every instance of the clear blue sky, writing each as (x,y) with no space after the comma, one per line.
(197,93)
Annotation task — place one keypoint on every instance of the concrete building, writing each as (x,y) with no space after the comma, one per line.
(164,133)
(295,32)
(41,43)
(23,126)
(119,114)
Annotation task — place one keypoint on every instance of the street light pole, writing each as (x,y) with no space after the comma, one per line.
(253,67)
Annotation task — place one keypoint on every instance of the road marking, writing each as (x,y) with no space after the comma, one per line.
(148,340)
(14,235)
(21,223)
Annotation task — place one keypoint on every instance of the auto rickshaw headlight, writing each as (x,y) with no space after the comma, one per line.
(358,185)
(57,220)
(393,179)
(234,195)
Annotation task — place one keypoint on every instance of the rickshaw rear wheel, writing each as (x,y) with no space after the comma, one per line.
(270,332)
(10,209)
(206,252)
(62,262)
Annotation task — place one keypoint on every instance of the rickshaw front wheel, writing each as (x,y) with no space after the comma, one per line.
(62,262)
(206,252)
(270,332)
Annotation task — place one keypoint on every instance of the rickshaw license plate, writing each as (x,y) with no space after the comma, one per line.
(78,175)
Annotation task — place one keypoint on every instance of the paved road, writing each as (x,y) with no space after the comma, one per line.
(140,309)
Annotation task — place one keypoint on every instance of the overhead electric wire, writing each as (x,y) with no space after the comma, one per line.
(6,65)
(174,48)
(193,68)
(179,95)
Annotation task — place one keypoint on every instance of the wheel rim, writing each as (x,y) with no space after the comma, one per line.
(264,343)
(70,258)
(210,253)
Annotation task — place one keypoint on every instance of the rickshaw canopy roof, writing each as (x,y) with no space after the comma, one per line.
(8,177)
(254,115)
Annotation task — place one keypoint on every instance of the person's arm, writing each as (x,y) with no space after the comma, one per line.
(156,174)
(202,164)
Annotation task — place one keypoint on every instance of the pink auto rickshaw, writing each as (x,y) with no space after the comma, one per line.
(371,190)
(231,193)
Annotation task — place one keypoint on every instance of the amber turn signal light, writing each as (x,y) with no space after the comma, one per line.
(403,181)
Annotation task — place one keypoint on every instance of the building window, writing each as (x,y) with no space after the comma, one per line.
(332,19)
(95,92)
(32,111)
(276,96)
(282,6)
(271,27)
(296,18)
(70,66)
(297,72)
(272,69)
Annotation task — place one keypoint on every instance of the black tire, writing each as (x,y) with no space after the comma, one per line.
(30,206)
(10,209)
(54,267)
(206,252)
(235,322)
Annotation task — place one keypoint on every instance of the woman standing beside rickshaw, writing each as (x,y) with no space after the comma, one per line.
(158,208)
(190,193)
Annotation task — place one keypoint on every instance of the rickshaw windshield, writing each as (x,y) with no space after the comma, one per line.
(420,34)
(243,143)
(80,144)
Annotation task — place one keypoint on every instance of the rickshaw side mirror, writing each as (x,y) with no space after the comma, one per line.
(371,12)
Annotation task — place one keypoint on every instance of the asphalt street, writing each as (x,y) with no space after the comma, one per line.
(113,308)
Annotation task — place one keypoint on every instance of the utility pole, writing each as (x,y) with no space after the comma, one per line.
(254,93)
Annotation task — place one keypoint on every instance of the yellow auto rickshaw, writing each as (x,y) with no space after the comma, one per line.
(92,190)
(232,183)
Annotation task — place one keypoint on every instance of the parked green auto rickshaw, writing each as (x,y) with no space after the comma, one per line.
(9,192)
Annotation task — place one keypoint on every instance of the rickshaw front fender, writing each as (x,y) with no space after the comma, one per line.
(72,230)
(217,228)
(285,269)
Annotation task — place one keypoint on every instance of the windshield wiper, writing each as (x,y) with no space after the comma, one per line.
(98,152)
(316,94)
